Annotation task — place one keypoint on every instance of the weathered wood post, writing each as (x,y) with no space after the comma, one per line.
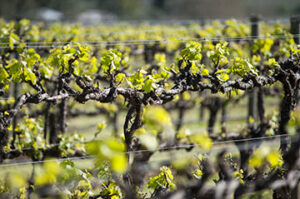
(254,20)
(295,28)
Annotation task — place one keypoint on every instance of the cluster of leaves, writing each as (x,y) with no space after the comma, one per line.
(164,180)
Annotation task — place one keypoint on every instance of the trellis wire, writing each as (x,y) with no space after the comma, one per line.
(253,141)
(43,161)
(190,145)
(119,33)
(6,98)
(149,41)
(123,44)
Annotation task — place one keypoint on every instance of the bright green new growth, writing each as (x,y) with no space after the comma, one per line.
(218,54)
(192,52)
(164,180)
(241,67)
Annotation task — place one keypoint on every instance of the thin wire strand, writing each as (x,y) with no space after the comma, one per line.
(151,42)
(49,160)
(115,33)
(240,146)
(243,38)
(184,146)
(129,32)
(6,98)
(190,131)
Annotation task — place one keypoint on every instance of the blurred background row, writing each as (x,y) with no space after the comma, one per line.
(97,11)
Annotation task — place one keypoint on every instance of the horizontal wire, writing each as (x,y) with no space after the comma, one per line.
(237,146)
(49,160)
(230,148)
(214,143)
(130,32)
(150,42)
(113,33)
(49,146)
(191,131)
(6,98)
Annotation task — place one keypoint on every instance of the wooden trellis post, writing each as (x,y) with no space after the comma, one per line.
(295,28)
(252,94)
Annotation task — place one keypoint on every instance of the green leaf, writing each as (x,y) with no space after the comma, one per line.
(29,75)
(164,74)
(137,80)
(192,52)
(15,70)
(164,180)
(218,54)
(220,71)
(3,75)
(204,72)
(222,75)
(149,85)
(83,53)
(272,63)
(194,68)
(46,70)
(120,77)
(110,59)
(101,126)
(241,67)
(111,190)
(275,158)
